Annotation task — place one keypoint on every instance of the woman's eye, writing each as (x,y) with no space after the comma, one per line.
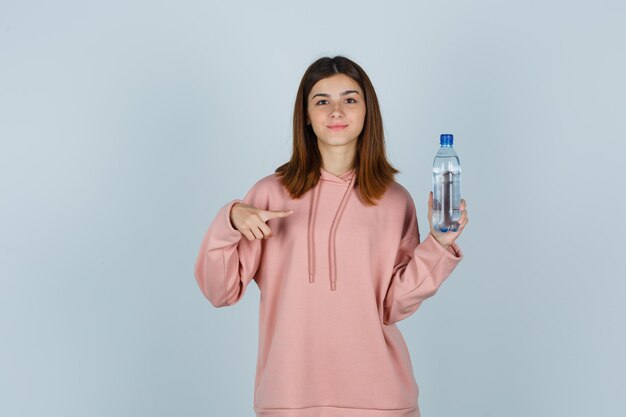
(351,100)
(320,101)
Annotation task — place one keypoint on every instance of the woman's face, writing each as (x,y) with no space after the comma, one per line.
(336,110)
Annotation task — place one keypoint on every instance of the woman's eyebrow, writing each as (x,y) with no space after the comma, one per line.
(341,94)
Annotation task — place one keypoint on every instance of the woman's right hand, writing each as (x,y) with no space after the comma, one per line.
(250,221)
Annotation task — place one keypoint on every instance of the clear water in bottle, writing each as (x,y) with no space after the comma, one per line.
(446,187)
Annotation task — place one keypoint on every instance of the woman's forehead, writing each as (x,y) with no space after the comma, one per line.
(335,85)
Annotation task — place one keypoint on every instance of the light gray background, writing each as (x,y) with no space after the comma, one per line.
(125,126)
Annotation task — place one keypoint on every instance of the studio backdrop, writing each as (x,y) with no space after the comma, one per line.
(126,125)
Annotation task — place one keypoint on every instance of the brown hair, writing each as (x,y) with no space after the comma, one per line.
(373,172)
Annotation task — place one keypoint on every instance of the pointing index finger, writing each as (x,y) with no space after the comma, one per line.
(270,214)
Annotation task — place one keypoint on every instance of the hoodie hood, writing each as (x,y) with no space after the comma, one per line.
(347,179)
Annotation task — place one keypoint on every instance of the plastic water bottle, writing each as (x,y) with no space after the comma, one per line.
(446,187)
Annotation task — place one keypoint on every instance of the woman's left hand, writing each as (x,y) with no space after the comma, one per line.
(446,238)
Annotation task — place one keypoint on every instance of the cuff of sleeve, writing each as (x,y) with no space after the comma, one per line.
(452,252)
(232,233)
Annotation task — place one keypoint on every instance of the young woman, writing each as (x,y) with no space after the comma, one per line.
(332,242)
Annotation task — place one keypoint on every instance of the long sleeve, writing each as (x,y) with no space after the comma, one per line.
(419,270)
(227,260)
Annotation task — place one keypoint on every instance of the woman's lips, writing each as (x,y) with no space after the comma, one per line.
(340,127)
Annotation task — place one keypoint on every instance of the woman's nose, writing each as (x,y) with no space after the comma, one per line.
(336,111)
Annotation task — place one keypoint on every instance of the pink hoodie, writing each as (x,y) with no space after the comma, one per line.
(334,279)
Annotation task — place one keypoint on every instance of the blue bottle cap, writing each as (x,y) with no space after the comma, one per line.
(446,139)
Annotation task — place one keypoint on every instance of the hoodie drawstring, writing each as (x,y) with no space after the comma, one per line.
(312,215)
(333,230)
